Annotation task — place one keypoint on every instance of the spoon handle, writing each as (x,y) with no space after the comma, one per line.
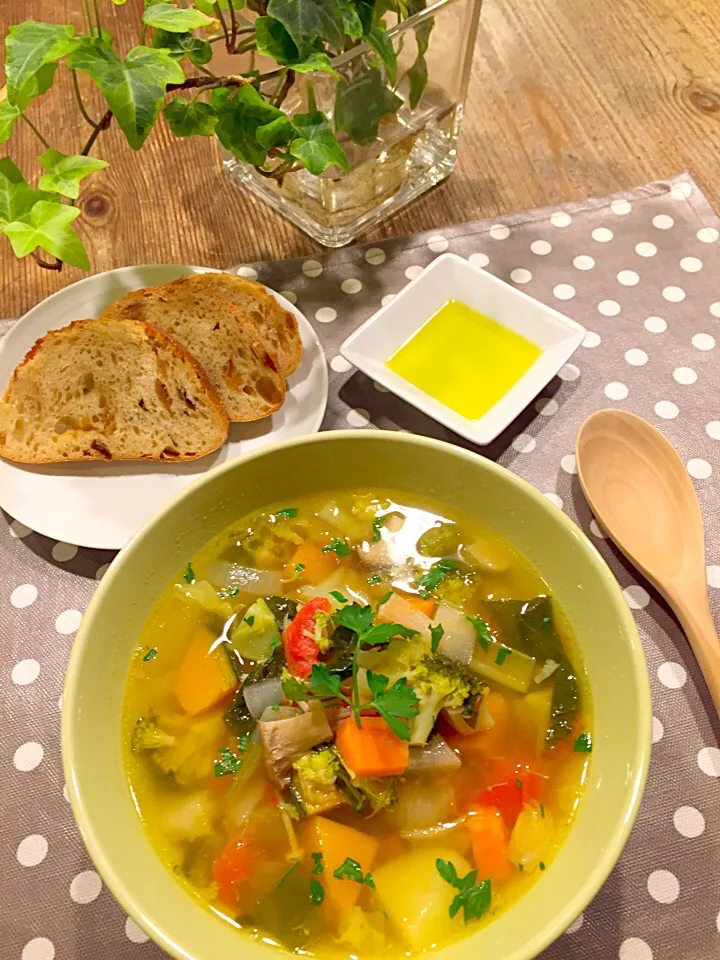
(699,626)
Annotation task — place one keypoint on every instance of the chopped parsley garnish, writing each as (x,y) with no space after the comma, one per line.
(396,704)
(299,567)
(388,596)
(435,575)
(288,873)
(189,574)
(473,898)
(502,654)
(229,763)
(518,783)
(244,742)
(583,744)
(351,870)
(377,525)
(542,810)
(249,620)
(288,513)
(436,635)
(275,643)
(541,865)
(225,594)
(338,596)
(374,580)
(482,633)
(318,865)
(317,892)
(338,547)
(150,655)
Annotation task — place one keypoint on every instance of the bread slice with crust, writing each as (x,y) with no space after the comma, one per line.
(109,389)
(277,325)
(228,346)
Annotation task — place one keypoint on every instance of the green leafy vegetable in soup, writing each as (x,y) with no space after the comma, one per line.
(357,725)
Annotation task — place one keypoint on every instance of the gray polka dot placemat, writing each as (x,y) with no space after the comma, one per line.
(640,271)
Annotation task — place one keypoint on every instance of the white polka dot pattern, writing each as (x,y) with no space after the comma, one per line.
(85,887)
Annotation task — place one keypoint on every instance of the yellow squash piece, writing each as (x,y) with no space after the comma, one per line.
(204,677)
(336,842)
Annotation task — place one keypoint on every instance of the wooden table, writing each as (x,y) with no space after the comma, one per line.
(568,98)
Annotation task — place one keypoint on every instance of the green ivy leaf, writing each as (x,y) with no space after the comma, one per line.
(274,41)
(66,171)
(316,147)
(8,115)
(383,46)
(240,114)
(17,198)
(47,225)
(276,133)
(352,24)
(190,118)
(308,21)
(418,72)
(167,16)
(360,108)
(183,45)
(29,47)
(134,88)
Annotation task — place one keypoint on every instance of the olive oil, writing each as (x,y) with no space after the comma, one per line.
(464,359)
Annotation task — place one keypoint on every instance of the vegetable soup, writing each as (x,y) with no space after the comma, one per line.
(357,724)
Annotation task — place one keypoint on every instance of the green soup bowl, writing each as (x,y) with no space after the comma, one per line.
(580,580)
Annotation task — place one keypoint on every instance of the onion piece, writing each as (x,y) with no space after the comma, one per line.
(245,801)
(546,670)
(344,522)
(436,757)
(433,833)
(423,803)
(266,583)
(263,694)
(458,640)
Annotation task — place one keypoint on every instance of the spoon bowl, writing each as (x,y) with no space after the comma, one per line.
(640,491)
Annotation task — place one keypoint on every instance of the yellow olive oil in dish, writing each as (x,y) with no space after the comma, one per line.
(464,359)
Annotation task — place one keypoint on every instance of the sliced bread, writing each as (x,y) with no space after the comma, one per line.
(277,325)
(109,390)
(240,364)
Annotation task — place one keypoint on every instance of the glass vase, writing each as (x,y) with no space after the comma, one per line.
(415,146)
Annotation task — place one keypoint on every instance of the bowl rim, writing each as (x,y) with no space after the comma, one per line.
(609,856)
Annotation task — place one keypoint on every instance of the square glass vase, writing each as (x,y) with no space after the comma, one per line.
(415,147)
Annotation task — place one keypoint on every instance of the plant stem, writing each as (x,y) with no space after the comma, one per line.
(35,130)
(101,125)
(356,687)
(78,96)
(97,18)
(58,265)
(286,88)
(233,25)
(143,34)
(207,73)
(221,18)
(193,82)
(246,45)
(88,15)
(278,89)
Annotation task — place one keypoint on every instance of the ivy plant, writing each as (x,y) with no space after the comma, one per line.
(166,74)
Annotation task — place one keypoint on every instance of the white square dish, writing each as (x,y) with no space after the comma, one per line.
(451,277)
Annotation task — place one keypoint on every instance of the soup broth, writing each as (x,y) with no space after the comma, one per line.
(357,724)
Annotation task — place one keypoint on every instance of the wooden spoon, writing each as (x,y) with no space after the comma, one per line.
(640,491)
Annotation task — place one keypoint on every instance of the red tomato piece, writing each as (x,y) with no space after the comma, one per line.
(507,798)
(233,865)
(301,649)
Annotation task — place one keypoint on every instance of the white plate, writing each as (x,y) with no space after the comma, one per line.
(451,277)
(102,504)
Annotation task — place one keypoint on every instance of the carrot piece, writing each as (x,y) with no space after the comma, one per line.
(315,565)
(424,606)
(336,842)
(371,750)
(490,843)
(204,678)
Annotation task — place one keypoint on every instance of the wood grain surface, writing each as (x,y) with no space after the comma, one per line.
(568,98)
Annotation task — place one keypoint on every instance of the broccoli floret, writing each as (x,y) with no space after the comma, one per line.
(379,793)
(148,735)
(314,777)
(438,682)
(458,589)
